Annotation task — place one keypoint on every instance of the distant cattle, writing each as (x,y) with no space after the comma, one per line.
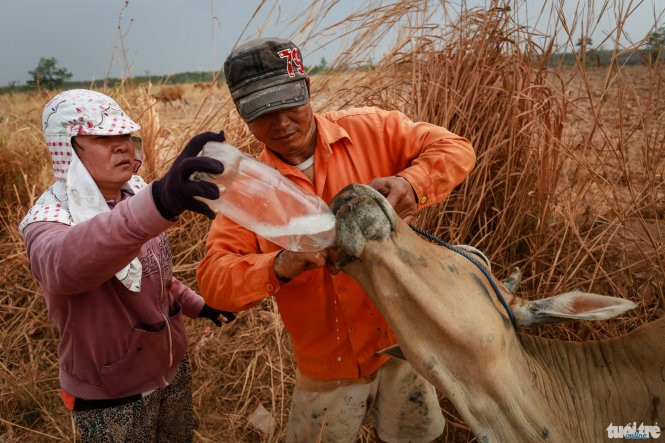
(170,94)
(206,85)
(41,93)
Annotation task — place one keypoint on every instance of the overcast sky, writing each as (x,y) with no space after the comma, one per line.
(161,36)
(170,36)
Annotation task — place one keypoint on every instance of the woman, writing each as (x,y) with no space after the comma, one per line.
(95,240)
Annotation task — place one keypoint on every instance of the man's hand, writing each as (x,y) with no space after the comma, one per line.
(290,264)
(400,195)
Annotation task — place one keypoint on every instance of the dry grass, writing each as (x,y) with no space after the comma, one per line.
(568,186)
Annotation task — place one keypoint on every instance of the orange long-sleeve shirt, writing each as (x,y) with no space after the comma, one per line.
(334,327)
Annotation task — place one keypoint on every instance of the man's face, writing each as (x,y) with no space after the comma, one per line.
(291,132)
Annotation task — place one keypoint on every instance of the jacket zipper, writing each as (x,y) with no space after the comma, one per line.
(161,302)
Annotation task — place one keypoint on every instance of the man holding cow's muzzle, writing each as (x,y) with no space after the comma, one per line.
(335,329)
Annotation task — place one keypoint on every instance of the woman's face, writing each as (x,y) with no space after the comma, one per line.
(108,158)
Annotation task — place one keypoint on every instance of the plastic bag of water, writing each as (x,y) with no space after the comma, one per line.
(259,198)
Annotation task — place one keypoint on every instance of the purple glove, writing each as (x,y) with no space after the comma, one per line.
(174,192)
(213,314)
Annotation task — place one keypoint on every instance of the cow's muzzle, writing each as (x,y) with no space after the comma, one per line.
(362,214)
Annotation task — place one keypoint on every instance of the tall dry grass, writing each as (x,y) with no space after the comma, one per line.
(568,186)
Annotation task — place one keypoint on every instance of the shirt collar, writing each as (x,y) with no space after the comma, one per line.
(124,194)
(329,133)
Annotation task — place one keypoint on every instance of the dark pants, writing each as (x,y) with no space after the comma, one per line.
(163,416)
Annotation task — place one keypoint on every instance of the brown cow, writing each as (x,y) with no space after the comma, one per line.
(205,86)
(170,94)
(507,386)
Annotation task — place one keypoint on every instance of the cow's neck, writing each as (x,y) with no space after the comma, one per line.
(507,387)
(570,391)
(615,381)
(509,398)
(477,365)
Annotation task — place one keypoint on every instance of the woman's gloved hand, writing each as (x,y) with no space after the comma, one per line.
(217,317)
(175,192)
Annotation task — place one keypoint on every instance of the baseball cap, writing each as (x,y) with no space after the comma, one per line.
(265,75)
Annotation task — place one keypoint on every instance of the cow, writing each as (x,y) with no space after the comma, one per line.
(170,94)
(206,86)
(456,325)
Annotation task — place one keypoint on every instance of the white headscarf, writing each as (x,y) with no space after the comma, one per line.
(75,197)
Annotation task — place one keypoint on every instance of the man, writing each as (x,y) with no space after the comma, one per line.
(335,330)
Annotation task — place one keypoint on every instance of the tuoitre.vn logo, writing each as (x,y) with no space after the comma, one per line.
(633,431)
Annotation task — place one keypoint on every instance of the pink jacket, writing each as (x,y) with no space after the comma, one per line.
(113,342)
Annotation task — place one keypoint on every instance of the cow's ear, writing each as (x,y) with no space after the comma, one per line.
(574,305)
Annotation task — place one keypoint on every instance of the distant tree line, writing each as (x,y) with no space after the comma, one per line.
(603,57)
(653,51)
(47,75)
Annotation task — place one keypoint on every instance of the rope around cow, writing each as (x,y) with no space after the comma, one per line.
(475,262)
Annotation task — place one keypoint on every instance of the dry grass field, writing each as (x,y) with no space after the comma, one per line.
(569,186)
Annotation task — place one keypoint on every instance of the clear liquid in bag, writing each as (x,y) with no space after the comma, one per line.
(259,198)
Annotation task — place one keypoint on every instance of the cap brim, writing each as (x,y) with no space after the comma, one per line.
(273,98)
